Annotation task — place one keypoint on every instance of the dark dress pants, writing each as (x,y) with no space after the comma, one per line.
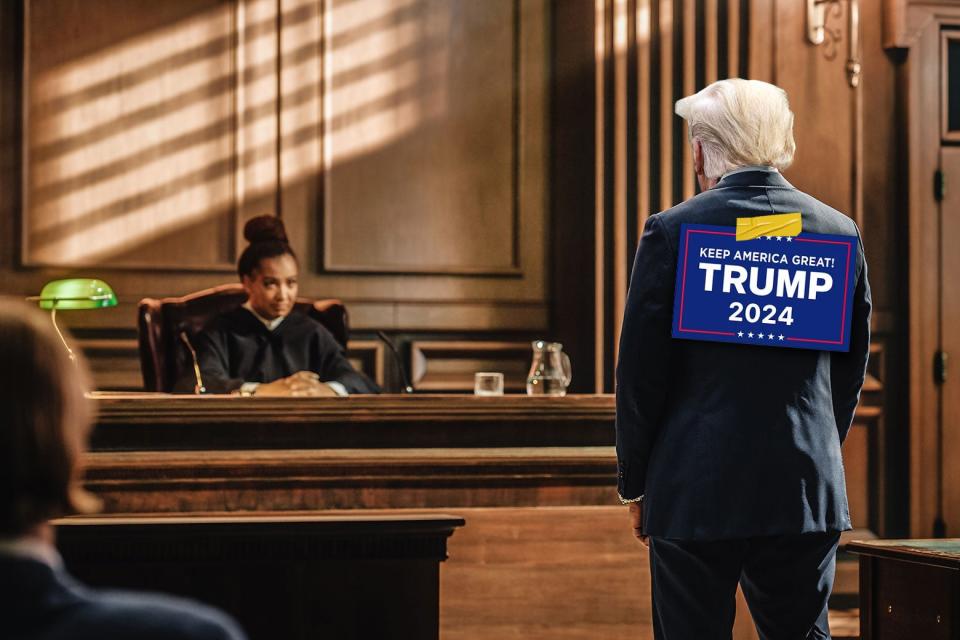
(786,581)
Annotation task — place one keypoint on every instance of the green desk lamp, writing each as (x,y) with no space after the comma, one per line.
(71,294)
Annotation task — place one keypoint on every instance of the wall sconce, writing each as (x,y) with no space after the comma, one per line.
(818,12)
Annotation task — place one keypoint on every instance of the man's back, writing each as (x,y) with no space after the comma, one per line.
(38,602)
(741,441)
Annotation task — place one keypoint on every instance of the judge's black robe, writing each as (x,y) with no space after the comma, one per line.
(236,348)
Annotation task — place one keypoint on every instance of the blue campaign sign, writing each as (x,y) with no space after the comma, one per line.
(773,291)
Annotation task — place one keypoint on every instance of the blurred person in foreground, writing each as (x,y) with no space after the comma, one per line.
(729,454)
(43,432)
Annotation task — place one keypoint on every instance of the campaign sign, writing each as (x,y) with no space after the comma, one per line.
(773,291)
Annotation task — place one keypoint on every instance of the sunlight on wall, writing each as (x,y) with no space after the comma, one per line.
(369,103)
(180,123)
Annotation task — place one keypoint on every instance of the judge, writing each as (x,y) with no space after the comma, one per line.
(265,347)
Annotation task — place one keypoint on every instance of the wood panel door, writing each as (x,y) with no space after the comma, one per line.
(933,117)
(949,311)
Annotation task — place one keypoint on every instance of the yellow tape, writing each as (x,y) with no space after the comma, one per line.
(782,224)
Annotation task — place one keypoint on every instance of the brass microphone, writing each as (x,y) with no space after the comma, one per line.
(198,388)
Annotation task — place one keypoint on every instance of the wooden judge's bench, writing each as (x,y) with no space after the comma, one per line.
(546,543)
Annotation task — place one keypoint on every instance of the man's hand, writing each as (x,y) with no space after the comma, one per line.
(636,522)
(300,384)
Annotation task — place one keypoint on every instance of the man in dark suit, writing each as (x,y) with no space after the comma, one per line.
(728,454)
(44,430)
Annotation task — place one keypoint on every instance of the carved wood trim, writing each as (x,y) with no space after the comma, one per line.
(922,118)
(946,133)
(267,537)
(231,167)
(527,32)
(367,356)
(147,408)
(167,481)
(451,365)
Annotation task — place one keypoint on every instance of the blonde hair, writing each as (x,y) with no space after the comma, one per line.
(740,123)
(45,422)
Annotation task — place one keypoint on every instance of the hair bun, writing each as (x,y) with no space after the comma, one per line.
(264,228)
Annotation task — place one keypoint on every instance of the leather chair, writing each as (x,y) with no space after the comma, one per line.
(163,355)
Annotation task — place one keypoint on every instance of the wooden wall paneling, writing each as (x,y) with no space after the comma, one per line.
(368,356)
(666,101)
(950,339)
(676,51)
(114,362)
(946,39)
(923,151)
(370,478)
(451,365)
(258,106)
(603,43)
(623,51)
(733,39)
(572,185)
(761,40)
(816,85)
(884,169)
(886,518)
(644,115)
(857,470)
(300,124)
(129,146)
(710,46)
(276,64)
(12,34)
(424,301)
(429,110)
(690,60)
(407,296)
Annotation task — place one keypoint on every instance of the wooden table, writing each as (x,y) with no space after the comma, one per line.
(158,422)
(174,454)
(909,589)
(281,576)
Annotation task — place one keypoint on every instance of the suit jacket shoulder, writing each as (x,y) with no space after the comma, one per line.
(38,602)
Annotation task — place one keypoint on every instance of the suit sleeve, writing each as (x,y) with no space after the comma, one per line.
(335,367)
(645,350)
(848,370)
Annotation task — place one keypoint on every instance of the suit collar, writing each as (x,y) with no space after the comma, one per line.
(31,548)
(754,178)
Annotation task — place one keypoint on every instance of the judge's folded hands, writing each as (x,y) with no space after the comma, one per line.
(302,383)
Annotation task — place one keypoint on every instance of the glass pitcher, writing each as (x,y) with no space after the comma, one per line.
(550,373)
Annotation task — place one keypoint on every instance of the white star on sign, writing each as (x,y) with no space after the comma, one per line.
(779,238)
(770,336)
(740,334)
(789,239)
(780,336)
(750,335)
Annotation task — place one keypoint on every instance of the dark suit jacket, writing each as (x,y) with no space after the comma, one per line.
(40,603)
(731,441)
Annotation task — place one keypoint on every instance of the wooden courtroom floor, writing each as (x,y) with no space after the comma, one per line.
(512,574)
